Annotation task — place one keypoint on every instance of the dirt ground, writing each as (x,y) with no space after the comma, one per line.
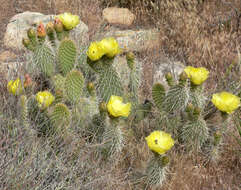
(225,175)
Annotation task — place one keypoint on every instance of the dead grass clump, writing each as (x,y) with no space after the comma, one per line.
(202,33)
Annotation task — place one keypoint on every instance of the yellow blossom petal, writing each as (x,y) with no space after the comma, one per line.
(226,102)
(95,52)
(15,87)
(159,142)
(197,75)
(44,99)
(110,46)
(117,108)
(69,21)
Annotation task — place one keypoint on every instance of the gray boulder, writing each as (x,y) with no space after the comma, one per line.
(20,23)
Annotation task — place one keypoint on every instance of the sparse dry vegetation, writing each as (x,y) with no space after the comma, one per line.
(196,32)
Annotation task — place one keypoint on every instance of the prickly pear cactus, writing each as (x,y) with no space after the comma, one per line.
(158,94)
(74,84)
(44,58)
(67,54)
(61,116)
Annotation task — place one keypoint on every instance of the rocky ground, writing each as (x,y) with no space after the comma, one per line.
(209,36)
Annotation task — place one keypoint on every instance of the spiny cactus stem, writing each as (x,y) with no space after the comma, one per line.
(169,79)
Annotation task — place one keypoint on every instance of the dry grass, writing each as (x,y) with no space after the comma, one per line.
(201,33)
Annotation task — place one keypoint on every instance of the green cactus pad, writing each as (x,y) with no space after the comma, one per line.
(158,94)
(156,172)
(113,138)
(66,56)
(134,84)
(58,82)
(109,84)
(44,58)
(74,83)
(60,115)
(176,98)
(194,134)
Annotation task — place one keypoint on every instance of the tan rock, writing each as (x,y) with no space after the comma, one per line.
(114,15)
(6,56)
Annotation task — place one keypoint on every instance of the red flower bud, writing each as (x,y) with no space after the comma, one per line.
(41,30)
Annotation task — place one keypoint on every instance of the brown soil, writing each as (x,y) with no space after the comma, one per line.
(221,45)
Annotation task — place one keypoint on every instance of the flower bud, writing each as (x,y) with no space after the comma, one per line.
(130,59)
(189,108)
(197,111)
(26,42)
(168,76)
(102,107)
(31,33)
(50,28)
(90,87)
(183,76)
(41,33)
(58,25)
(169,79)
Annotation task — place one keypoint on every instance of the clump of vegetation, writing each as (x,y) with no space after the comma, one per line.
(80,119)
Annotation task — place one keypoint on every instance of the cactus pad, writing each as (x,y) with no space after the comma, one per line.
(74,83)
(66,56)
(109,84)
(60,115)
(44,58)
(158,94)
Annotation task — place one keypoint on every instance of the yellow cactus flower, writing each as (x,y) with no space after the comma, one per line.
(117,108)
(226,102)
(44,99)
(159,142)
(197,75)
(69,21)
(15,87)
(95,52)
(110,46)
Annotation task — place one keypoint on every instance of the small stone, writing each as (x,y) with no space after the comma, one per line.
(122,16)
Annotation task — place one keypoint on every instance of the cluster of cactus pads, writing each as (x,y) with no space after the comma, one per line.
(81,88)
(88,94)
